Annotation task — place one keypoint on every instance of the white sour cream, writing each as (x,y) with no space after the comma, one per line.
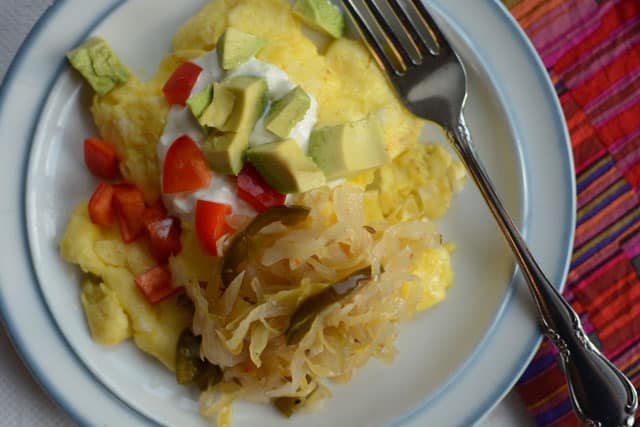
(180,121)
(221,189)
(277,80)
(211,71)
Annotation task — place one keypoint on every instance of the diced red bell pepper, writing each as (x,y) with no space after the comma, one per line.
(100,206)
(155,212)
(178,88)
(155,284)
(164,236)
(129,208)
(185,168)
(101,158)
(211,224)
(253,189)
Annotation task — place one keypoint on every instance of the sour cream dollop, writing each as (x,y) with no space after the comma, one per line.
(180,121)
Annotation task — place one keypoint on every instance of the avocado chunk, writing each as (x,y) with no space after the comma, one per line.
(236,47)
(200,101)
(219,109)
(348,148)
(224,152)
(285,167)
(320,15)
(250,100)
(98,64)
(286,112)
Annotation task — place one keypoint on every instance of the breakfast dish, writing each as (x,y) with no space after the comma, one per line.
(456,348)
(265,213)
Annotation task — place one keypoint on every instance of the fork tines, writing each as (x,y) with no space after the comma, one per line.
(399,33)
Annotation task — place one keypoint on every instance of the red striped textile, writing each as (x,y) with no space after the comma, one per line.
(591,50)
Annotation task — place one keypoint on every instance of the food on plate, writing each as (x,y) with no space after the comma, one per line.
(287,111)
(236,47)
(285,166)
(101,251)
(264,212)
(321,15)
(348,148)
(219,109)
(97,63)
(199,102)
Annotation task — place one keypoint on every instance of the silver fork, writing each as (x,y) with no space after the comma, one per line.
(430,80)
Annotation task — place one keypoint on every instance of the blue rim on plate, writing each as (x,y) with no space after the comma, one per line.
(516,370)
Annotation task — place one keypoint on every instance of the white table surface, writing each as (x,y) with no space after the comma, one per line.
(22,401)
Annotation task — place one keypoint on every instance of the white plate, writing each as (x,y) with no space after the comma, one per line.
(456,361)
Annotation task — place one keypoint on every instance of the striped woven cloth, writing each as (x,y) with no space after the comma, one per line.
(591,49)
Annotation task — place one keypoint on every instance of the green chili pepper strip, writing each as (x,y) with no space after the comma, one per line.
(305,314)
(237,254)
(288,405)
(190,367)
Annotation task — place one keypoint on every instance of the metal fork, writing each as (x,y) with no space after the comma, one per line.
(430,80)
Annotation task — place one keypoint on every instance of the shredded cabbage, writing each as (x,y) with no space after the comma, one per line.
(243,326)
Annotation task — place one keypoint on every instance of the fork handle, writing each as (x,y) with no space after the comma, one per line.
(601,395)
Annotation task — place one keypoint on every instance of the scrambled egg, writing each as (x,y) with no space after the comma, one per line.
(348,86)
(132,117)
(419,183)
(433,267)
(115,308)
(106,317)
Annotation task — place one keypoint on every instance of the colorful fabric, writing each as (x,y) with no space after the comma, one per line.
(591,50)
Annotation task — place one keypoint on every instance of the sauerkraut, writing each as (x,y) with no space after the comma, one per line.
(243,326)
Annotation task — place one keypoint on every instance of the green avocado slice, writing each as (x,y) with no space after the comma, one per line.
(320,15)
(249,102)
(200,101)
(99,65)
(237,47)
(225,152)
(219,109)
(348,148)
(286,112)
(285,167)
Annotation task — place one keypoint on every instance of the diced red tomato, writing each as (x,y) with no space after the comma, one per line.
(211,224)
(129,208)
(254,190)
(155,212)
(101,158)
(185,168)
(155,284)
(164,236)
(178,88)
(100,206)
